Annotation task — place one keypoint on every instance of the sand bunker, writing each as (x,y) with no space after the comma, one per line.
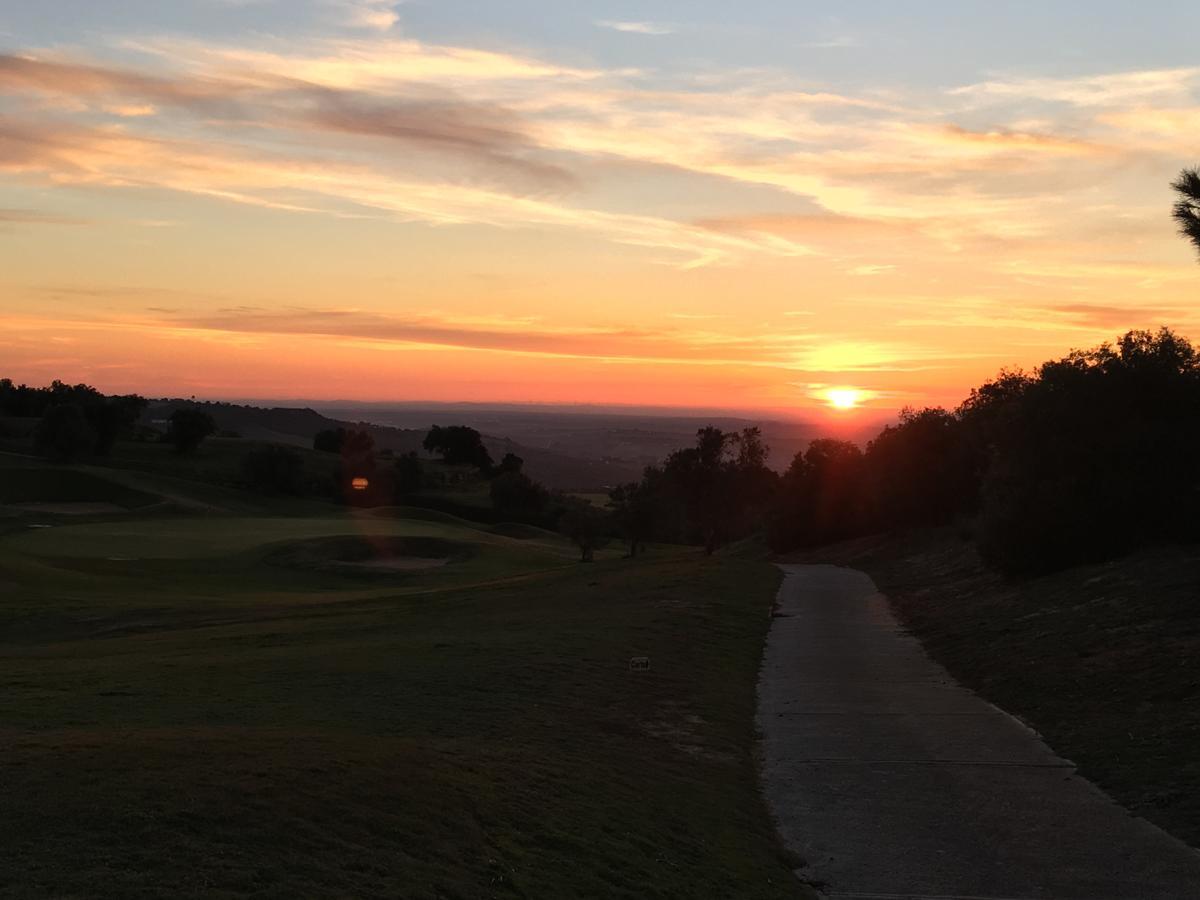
(71,509)
(398,563)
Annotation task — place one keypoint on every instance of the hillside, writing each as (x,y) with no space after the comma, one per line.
(1100,659)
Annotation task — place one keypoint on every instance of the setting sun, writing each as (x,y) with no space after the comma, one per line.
(844,398)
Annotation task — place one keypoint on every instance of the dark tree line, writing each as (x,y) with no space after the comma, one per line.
(708,494)
(1079,460)
(1084,458)
(75,420)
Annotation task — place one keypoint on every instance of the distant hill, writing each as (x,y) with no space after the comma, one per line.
(296,426)
(625,440)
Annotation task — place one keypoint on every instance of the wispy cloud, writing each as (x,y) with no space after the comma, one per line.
(405,129)
(37,217)
(834,43)
(1107,89)
(376,15)
(650,28)
(484,133)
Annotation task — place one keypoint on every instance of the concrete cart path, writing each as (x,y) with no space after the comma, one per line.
(891,780)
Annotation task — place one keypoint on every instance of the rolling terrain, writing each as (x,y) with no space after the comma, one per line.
(211,693)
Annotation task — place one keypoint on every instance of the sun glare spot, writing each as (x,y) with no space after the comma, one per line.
(844,398)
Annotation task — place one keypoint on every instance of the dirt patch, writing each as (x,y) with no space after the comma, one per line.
(370,555)
(685,732)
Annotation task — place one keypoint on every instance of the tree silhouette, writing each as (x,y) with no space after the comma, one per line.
(510,463)
(1187,207)
(459,445)
(349,442)
(920,470)
(820,496)
(634,508)
(409,475)
(518,496)
(188,428)
(64,434)
(584,524)
(272,469)
(1097,457)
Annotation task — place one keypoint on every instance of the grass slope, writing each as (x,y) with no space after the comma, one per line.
(184,716)
(1102,660)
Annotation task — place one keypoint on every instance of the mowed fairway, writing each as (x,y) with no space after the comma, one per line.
(205,705)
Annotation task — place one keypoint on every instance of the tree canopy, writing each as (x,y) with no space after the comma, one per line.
(106,417)
(188,428)
(1187,208)
(1084,458)
(459,445)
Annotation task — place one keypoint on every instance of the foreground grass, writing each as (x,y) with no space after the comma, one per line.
(1102,659)
(462,742)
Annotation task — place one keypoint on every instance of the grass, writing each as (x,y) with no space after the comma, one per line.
(1100,659)
(33,483)
(184,714)
(216,461)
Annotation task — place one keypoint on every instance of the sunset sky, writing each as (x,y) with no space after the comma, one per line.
(675,203)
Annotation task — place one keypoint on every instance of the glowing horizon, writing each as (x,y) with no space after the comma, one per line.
(365,200)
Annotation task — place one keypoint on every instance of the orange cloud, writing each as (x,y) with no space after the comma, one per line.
(1023,211)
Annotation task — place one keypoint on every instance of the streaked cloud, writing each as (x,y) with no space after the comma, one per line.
(647,345)
(885,228)
(809,352)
